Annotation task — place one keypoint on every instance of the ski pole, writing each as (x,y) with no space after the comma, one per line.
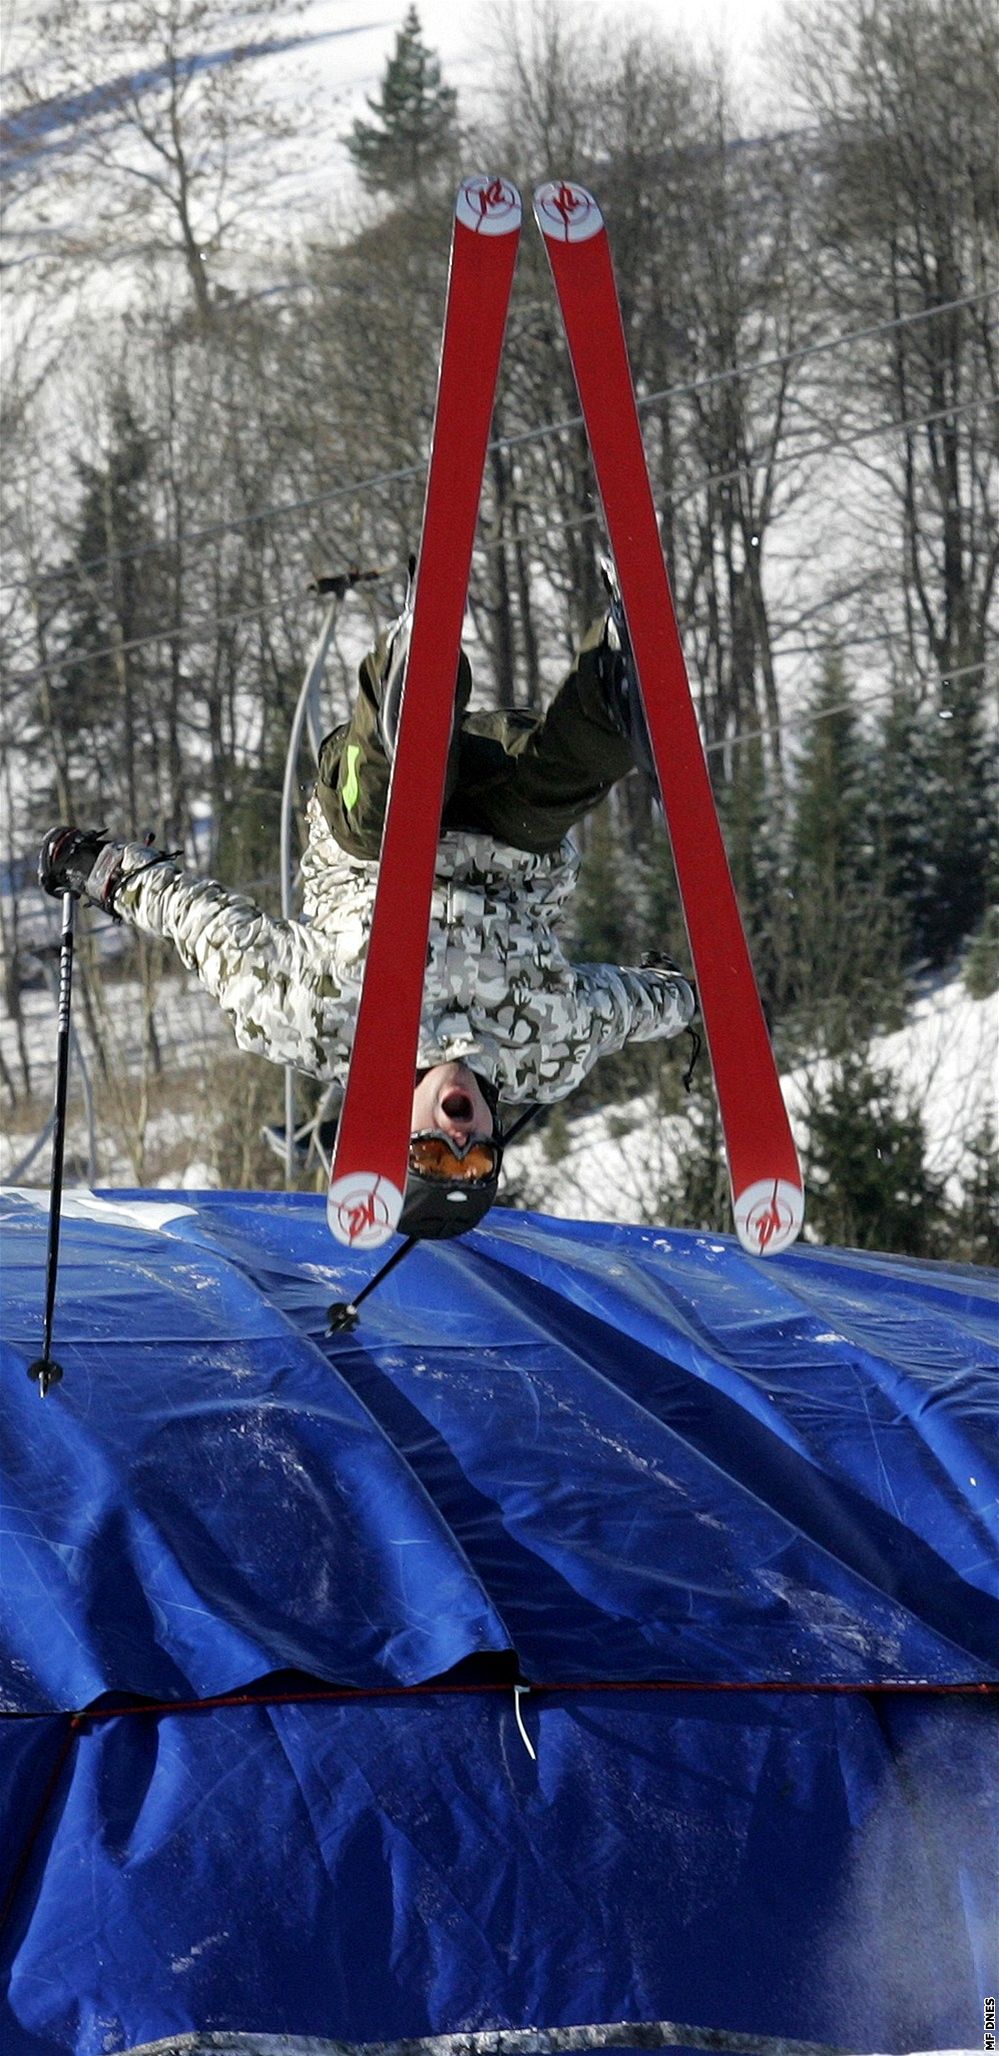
(45,1369)
(342,1315)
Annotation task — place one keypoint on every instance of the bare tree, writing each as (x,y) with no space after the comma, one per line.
(906,97)
(130,125)
(747,308)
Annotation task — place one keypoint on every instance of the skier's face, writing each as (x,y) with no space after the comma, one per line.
(449,1098)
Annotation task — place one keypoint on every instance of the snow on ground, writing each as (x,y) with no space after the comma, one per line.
(946,1059)
(614,1166)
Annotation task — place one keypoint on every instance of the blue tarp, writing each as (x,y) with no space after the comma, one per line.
(630,1467)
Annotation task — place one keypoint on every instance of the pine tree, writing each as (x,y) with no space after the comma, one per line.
(831,837)
(603,908)
(751,816)
(412,145)
(936,819)
(866,1174)
(111,592)
(846,954)
(975,1220)
(962,816)
(700,1196)
(903,826)
(981,963)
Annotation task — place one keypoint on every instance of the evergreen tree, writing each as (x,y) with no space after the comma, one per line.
(962,818)
(936,819)
(831,835)
(866,1174)
(700,1197)
(846,947)
(412,144)
(981,963)
(111,593)
(902,826)
(603,907)
(751,814)
(975,1221)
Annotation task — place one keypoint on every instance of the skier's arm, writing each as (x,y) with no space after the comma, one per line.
(271,978)
(592,1012)
(614,1006)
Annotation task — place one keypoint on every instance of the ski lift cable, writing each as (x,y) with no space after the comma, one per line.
(377,481)
(197,631)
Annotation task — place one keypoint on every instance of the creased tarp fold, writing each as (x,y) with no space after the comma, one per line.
(617,1453)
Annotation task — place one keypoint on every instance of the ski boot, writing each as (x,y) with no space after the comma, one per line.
(622,693)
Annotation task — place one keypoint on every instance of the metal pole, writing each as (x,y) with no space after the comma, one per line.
(17,1171)
(307,710)
(45,1370)
(304,710)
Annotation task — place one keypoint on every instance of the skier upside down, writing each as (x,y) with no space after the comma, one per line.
(506,1017)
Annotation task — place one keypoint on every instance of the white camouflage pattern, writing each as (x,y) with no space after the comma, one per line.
(499,993)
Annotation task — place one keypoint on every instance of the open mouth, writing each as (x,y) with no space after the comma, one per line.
(457,1105)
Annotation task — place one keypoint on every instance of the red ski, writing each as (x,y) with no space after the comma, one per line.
(370,1159)
(763,1162)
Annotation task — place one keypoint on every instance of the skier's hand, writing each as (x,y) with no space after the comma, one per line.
(67,858)
(83,862)
(657,960)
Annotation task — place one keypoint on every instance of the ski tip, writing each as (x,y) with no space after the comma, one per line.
(769,1215)
(488,205)
(363,1209)
(566,213)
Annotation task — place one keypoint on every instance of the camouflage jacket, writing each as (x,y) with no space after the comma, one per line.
(499,991)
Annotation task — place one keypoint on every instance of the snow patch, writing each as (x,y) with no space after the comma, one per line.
(81,1205)
(946,1060)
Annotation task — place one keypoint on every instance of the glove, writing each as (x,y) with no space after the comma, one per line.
(657,960)
(82,861)
(67,858)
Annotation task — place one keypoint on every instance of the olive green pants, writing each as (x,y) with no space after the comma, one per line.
(522,778)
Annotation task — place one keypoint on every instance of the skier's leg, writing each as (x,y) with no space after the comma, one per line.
(355,763)
(353,774)
(548,772)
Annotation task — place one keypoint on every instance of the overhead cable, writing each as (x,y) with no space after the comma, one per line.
(199,631)
(378,481)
